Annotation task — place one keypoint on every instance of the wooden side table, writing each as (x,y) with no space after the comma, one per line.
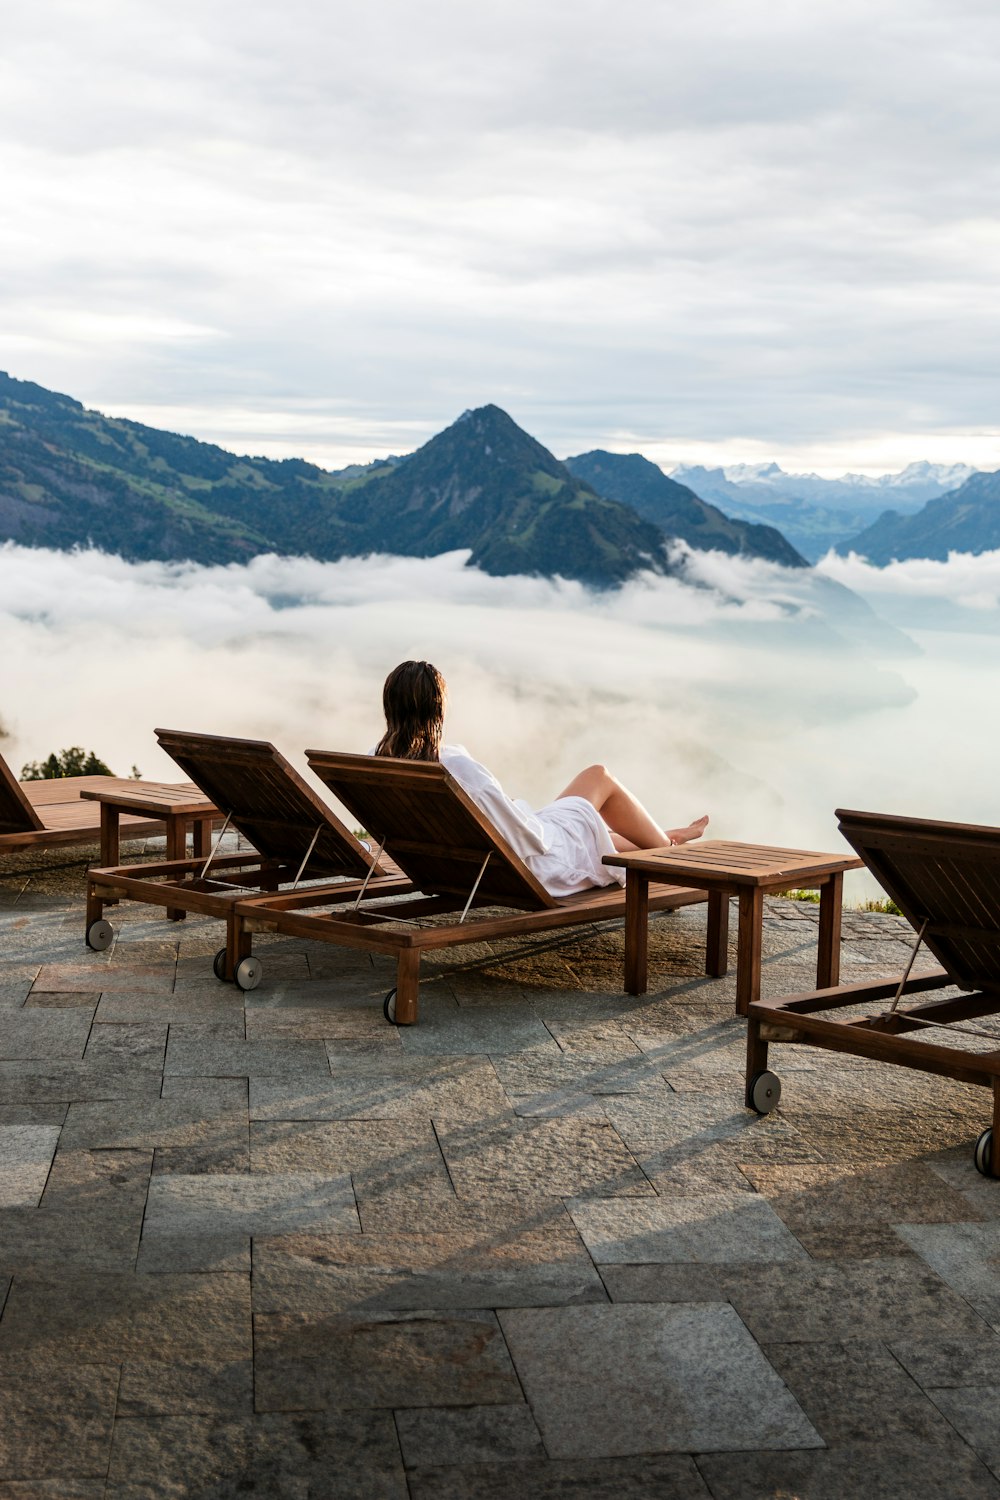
(176,805)
(724,869)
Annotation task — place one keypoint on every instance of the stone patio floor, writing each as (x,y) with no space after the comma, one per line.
(534,1247)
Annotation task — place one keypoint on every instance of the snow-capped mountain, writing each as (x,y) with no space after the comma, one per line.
(816,513)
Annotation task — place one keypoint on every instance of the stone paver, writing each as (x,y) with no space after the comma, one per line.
(597,1479)
(531,1158)
(221,1006)
(56,1421)
(713,1228)
(497,1029)
(375,1088)
(495,1266)
(972,1412)
(88,1219)
(26,1153)
(195,1125)
(42,1034)
(106,1319)
(104,975)
(856,1392)
(183,1388)
(249,1203)
(875,1470)
(837,1211)
(381,1360)
(191,1054)
(534,1247)
(629,1380)
(965,1256)
(468,1435)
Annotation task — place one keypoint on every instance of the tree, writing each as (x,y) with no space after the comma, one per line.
(72,762)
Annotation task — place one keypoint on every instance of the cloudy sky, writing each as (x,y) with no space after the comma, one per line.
(737,230)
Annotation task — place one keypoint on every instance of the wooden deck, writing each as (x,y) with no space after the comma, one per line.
(43,814)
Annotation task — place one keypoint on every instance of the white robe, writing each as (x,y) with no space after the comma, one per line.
(562,843)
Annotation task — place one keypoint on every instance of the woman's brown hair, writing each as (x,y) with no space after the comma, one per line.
(413,699)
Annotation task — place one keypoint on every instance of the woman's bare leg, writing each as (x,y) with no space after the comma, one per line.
(630,824)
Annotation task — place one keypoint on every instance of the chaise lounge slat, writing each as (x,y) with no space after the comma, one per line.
(453,855)
(292,832)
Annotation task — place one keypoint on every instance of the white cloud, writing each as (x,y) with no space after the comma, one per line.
(705,698)
(967,582)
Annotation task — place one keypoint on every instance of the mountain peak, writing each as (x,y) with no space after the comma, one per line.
(486,484)
(740,473)
(486,437)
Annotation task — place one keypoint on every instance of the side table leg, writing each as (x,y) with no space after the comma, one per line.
(831,900)
(201,838)
(717,943)
(176,849)
(749,945)
(636,932)
(110,841)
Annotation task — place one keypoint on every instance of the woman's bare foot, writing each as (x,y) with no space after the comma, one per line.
(692,831)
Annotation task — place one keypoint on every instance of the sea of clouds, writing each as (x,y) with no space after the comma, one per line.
(766,697)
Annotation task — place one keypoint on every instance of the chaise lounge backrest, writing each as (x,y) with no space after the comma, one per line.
(269,802)
(430,827)
(16,813)
(947,874)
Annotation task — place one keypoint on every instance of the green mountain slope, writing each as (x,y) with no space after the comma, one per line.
(485,483)
(69,476)
(677,510)
(964,520)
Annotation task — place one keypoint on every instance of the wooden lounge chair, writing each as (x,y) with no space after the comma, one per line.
(945,878)
(293,835)
(454,857)
(45,814)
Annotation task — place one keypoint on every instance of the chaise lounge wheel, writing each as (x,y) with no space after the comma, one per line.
(984,1150)
(764,1092)
(219,964)
(248,973)
(389,1007)
(100,935)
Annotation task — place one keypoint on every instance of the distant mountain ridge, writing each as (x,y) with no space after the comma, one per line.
(814,513)
(634,480)
(967,519)
(70,476)
(918,482)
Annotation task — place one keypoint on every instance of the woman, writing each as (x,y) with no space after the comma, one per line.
(563,843)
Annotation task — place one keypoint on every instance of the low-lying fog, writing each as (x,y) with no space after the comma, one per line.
(764,697)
